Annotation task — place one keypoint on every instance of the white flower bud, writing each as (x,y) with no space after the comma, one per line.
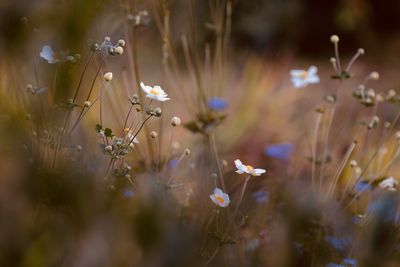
(108,148)
(79,148)
(153,134)
(87,104)
(108,76)
(374,75)
(187,152)
(119,50)
(332,60)
(361,51)
(121,42)
(107,39)
(335,39)
(353,163)
(175,121)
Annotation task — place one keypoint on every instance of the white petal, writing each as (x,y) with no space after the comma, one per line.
(238,163)
(258,172)
(312,70)
(218,191)
(145,88)
(297,73)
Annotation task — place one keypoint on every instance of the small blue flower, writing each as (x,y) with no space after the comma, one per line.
(172,164)
(338,243)
(216,103)
(128,193)
(260,196)
(279,151)
(362,186)
(350,262)
(334,265)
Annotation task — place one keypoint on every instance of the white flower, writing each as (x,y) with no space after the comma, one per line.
(389,184)
(48,54)
(302,78)
(220,198)
(129,136)
(156,92)
(241,168)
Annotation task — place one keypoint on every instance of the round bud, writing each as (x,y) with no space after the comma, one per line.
(29,87)
(121,42)
(214,175)
(79,148)
(387,124)
(87,104)
(119,50)
(332,60)
(94,47)
(175,145)
(397,135)
(374,75)
(153,134)
(108,148)
(175,121)
(335,39)
(128,167)
(70,101)
(108,76)
(127,176)
(187,152)
(158,112)
(391,93)
(353,163)
(107,39)
(357,171)
(361,51)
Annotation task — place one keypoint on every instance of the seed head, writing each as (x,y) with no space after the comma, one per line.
(87,104)
(374,75)
(353,163)
(153,134)
(335,39)
(108,76)
(121,42)
(187,152)
(94,47)
(119,50)
(175,121)
(157,112)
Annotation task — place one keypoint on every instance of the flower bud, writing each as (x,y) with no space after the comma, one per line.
(175,121)
(153,134)
(353,163)
(94,47)
(87,104)
(108,76)
(107,39)
(119,50)
(335,39)
(108,148)
(157,112)
(374,75)
(361,51)
(187,152)
(121,42)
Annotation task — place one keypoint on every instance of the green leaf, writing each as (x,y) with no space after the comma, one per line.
(108,132)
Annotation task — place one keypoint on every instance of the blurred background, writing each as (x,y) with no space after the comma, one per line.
(69,215)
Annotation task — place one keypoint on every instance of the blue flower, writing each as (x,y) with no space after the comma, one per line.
(362,186)
(279,151)
(172,164)
(260,196)
(351,262)
(338,243)
(216,103)
(128,193)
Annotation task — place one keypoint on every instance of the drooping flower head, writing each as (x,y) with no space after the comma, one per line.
(241,168)
(220,198)
(156,92)
(302,78)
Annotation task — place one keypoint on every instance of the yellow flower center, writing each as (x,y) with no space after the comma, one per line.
(220,199)
(249,168)
(304,75)
(154,92)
